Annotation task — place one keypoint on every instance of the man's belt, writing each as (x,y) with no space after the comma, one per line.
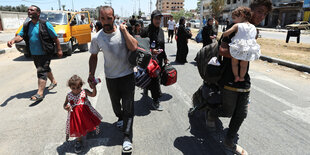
(236,89)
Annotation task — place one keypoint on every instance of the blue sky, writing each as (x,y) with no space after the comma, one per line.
(122,7)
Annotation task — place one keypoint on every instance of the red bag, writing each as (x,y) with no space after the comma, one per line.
(153,69)
(169,75)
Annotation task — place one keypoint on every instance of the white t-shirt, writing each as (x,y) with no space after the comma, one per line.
(171,24)
(115,53)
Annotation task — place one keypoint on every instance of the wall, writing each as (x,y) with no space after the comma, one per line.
(12,20)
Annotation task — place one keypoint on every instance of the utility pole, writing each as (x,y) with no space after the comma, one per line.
(201,13)
(150,6)
(59,4)
(72,5)
(139,9)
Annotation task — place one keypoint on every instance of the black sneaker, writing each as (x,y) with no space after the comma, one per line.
(78,147)
(157,106)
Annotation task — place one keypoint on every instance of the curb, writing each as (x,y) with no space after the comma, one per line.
(285,63)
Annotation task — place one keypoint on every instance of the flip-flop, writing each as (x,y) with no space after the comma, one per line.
(237,149)
(127,147)
(37,97)
(52,86)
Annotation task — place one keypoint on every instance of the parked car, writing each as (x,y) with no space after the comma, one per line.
(302,25)
(195,23)
(72,32)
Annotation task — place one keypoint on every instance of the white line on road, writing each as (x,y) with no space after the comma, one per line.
(183,95)
(299,113)
(265,78)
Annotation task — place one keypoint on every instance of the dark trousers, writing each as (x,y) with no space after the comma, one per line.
(123,88)
(235,105)
(170,33)
(154,87)
(42,63)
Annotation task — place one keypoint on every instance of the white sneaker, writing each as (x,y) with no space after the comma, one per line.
(127,147)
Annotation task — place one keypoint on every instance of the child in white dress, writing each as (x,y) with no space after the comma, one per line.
(243,47)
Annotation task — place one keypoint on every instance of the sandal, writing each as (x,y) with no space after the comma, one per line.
(237,149)
(36,97)
(127,147)
(52,86)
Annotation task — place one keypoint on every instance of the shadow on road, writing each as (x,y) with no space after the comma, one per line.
(23,58)
(176,63)
(26,95)
(108,135)
(203,140)
(143,106)
(193,63)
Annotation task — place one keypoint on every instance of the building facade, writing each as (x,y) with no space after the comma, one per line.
(283,11)
(168,6)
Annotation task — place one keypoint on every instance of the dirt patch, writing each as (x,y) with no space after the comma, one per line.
(298,53)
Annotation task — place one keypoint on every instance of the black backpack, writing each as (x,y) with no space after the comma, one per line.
(209,73)
(142,56)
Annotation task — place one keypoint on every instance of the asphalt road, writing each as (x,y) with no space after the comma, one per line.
(278,121)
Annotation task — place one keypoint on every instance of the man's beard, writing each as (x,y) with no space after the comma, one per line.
(107,27)
(33,16)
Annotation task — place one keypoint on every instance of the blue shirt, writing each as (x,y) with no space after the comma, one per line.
(34,39)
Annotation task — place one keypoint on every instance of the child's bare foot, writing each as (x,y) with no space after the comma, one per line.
(241,79)
(237,78)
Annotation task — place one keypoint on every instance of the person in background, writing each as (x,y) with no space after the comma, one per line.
(171,28)
(182,48)
(137,28)
(208,33)
(39,48)
(156,35)
(98,26)
(140,20)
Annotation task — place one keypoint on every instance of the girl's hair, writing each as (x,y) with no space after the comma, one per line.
(75,81)
(245,11)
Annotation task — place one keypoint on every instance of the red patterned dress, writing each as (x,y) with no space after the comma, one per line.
(83,117)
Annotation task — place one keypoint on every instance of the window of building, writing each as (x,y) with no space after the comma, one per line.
(167,6)
(245,1)
(167,2)
(234,1)
(228,1)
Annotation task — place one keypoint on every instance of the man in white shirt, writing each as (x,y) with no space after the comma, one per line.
(171,27)
(116,43)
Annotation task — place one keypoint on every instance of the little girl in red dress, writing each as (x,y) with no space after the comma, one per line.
(82,117)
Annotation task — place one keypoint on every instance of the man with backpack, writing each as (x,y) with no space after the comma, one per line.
(40,37)
(235,95)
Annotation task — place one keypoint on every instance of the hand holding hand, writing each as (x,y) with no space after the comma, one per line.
(67,107)
(10,43)
(59,53)
(91,80)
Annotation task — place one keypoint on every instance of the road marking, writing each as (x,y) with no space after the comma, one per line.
(183,95)
(265,78)
(302,114)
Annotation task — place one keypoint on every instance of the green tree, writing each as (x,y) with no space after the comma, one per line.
(182,13)
(217,7)
(63,7)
